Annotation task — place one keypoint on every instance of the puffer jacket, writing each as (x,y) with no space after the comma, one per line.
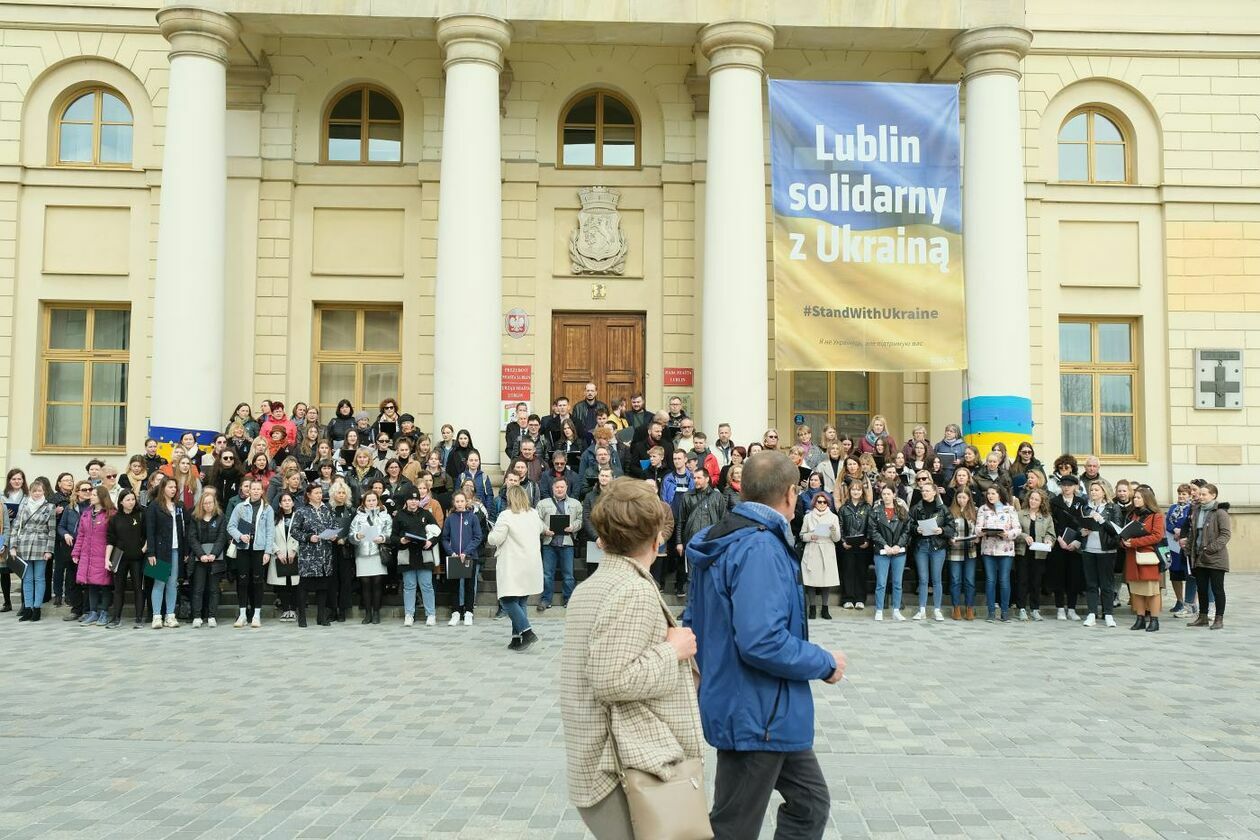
(91,549)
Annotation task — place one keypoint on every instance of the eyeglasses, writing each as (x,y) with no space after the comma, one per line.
(391,408)
(111,475)
(85,489)
(776,437)
(228,460)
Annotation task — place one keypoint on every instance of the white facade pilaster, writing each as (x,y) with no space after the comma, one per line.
(997,401)
(467,349)
(192,225)
(734,323)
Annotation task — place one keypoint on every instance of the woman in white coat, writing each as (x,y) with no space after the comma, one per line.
(820,531)
(518,563)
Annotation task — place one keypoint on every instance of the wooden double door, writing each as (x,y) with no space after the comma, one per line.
(600,347)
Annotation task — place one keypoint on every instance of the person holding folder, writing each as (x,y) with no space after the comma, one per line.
(461,540)
(316,531)
(368,531)
(562,518)
(998,525)
(1101,521)
(167,537)
(1141,561)
(934,529)
(251,527)
(1033,546)
(1066,571)
(414,526)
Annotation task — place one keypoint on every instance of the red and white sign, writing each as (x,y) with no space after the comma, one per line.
(516,383)
(679,376)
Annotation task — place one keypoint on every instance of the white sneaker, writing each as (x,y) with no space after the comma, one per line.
(257,622)
(1072,616)
(920,615)
(879,615)
(210,622)
(196,622)
(848,605)
(171,622)
(859,606)
(240,621)
(157,622)
(897,616)
(937,615)
(1036,615)
(1089,621)
(1061,615)
(430,621)
(1109,620)
(454,622)
(1023,614)
(468,618)
(409,620)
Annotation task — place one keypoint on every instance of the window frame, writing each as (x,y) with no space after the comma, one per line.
(68,98)
(364,123)
(1090,144)
(1096,370)
(88,356)
(600,94)
(356,356)
(833,414)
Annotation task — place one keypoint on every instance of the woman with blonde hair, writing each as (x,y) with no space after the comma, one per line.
(877,430)
(962,552)
(626,672)
(1037,526)
(1141,562)
(207,537)
(518,563)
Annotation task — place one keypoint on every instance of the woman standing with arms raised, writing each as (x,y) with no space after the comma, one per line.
(626,673)
(518,561)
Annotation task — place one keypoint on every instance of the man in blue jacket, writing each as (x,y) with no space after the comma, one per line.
(747,608)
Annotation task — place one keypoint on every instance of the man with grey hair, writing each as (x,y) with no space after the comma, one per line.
(747,609)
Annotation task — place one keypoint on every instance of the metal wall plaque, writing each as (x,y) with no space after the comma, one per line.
(1218,379)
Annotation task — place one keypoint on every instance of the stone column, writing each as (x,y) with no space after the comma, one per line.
(467,336)
(734,324)
(192,228)
(997,404)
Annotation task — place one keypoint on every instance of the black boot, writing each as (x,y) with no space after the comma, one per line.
(1139,624)
(367,616)
(321,616)
(813,611)
(301,614)
(1153,625)
(24,614)
(826,613)
(376,615)
(56,600)
(35,614)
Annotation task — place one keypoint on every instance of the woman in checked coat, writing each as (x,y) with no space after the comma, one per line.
(315,554)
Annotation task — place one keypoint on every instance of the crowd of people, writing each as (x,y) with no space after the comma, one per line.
(335,512)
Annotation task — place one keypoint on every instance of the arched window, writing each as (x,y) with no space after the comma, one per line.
(1092,148)
(599,129)
(94,129)
(363,125)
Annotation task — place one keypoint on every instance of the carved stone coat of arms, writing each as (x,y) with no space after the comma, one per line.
(599,245)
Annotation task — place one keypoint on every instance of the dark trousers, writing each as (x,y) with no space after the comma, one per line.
(6,583)
(129,572)
(1031,570)
(1215,578)
(853,565)
(63,570)
(468,600)
(318,585)
(250,576)
(287,594)
(1066,577)
(205,590)
(373,590)
(342,587)
(1099,581)
(742,792)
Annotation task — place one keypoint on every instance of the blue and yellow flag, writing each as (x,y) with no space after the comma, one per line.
(868,271)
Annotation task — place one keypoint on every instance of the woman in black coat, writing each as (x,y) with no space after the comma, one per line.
(126,531)
(207,538)
(889,532)
(166,533)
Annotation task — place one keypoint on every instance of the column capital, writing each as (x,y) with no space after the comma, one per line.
(991,49)
(192,30)
(476,38)
(736,43)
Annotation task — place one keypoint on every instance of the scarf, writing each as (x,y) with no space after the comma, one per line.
(871,437)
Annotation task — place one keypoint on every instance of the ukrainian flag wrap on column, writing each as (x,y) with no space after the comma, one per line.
(168,436)
(987,420)
(868,271)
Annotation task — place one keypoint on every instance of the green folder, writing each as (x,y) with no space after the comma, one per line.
(161,571)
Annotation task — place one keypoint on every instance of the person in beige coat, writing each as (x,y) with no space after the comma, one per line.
(518,571)
(626,674)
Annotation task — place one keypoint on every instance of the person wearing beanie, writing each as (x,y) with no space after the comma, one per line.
(278,417)
(363,425)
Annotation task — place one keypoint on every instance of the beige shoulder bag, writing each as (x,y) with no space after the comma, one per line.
(666,810)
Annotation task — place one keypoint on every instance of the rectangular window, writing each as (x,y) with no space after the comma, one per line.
(85,364)
(1099,387)
(841,398)
(358,356)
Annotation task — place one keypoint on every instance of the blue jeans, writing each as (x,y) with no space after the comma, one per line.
(166,589)
(884,564)
(997,581)
(514,606)
(553,555)
(424,577)
(924,557)
(33,583)
(962,582)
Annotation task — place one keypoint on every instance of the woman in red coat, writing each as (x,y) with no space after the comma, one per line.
(1143,579)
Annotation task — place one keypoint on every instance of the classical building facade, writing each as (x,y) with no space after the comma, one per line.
(203,204)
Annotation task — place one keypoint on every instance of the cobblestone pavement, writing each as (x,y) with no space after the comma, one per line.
(969,730)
